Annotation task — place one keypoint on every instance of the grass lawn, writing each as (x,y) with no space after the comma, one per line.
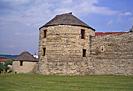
(34,82)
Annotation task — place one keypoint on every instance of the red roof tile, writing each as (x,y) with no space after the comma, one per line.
(108,33)
(2,59)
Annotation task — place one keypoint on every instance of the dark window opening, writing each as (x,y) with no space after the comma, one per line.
(45,33)
(84,52)
(21,63)
(102,49)
(82,34)
(44,51)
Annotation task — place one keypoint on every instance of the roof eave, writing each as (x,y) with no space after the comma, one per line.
(66,24)
(27,60)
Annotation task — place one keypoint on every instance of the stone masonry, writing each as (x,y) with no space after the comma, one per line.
(64,49)
(112,54)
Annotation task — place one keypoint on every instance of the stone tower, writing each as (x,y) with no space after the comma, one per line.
(64,45)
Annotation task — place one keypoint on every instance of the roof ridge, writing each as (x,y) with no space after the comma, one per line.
(70,13)
(26,56)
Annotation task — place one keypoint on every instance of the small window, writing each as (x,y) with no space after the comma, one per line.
(21,63)
(102,48)
(84,52)
(82,34)
(44,51)
(45,33)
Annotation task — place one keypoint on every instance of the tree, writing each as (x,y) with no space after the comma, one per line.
(1,67)
(4,66)
(6,63)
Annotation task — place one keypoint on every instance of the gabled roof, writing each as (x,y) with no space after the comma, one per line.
(66,19)
(26,56)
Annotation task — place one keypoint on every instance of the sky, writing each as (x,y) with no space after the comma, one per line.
(20,19)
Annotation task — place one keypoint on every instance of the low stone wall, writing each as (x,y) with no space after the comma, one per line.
(112,66)
(25,68)
(112,54)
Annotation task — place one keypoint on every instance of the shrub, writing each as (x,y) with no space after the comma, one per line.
(4,66)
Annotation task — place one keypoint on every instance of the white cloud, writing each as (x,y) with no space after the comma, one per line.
(16,2)
(81,7)
(40,11)
(104,10)
(126,14)
(110,22)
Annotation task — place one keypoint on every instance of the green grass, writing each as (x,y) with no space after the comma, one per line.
(34,82)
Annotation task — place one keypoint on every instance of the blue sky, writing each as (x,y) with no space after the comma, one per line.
(20,19)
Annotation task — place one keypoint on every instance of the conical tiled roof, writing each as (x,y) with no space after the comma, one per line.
(66,19)
(25,56)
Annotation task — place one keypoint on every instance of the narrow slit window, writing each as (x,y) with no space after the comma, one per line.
(84,52)
(21,63)
(44,51)
(82,34)
(45,33)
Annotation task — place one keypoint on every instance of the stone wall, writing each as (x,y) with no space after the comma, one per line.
(64,47)
(112,54)
(109,54)
(25,68)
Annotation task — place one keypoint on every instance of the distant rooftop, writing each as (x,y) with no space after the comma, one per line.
(66,19)
(26,56)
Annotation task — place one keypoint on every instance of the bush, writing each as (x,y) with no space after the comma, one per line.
(4,66)
(1,67)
